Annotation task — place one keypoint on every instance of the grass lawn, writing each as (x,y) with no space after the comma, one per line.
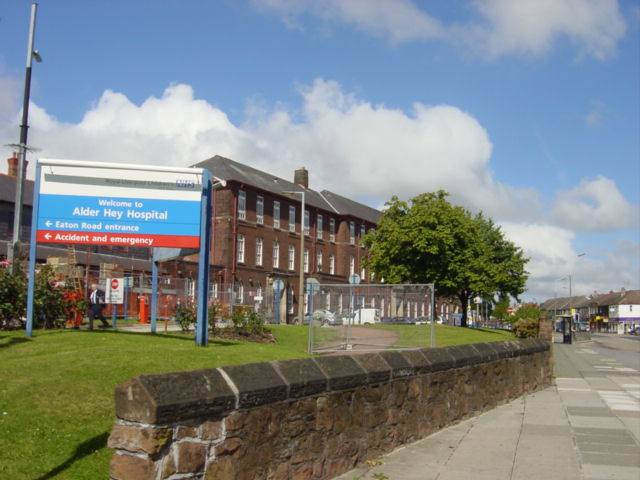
(56,389)
(420,335)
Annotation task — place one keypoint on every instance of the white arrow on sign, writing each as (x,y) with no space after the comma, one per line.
(47,236)
(48,223)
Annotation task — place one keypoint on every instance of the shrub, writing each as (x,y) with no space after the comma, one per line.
(526,328)
(51,305)
(247,322)
(185,315)
(13,287)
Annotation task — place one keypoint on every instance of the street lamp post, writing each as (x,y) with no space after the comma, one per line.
(13,251)
(301,279)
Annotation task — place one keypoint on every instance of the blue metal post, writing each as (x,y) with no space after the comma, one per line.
(114,307)
(310,347)
(154,292)
(202,327)
(276,302)
(32,252)
(126,299)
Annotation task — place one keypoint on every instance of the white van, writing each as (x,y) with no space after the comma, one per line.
(366,316)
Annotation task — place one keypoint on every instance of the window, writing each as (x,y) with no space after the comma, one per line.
(305,260)
(352,265)
(276,255)
(242,205)
(240,293)
(292,218)
(276,214)
(292,257)
(318,261)
(260,210)
(363,232)
(259,251)
(306,222)
(352,233)
(332,264)
(240,248)
(363,274)
(319,227)
(332,229)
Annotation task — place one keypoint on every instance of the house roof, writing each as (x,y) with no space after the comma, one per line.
(8,190)
(624,297)
(231,170)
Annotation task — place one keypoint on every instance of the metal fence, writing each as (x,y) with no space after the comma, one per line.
(369,317)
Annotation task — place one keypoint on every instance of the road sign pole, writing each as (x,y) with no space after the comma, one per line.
(32,253)
(154,292)
(114,307)
(202,327)
(277,304)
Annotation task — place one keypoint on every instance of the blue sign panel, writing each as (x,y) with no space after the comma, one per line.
(119,215)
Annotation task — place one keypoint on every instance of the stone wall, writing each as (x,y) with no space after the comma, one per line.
(310,418)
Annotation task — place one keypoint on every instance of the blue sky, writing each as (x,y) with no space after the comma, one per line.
(526,109)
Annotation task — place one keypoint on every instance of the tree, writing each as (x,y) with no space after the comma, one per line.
(428,240)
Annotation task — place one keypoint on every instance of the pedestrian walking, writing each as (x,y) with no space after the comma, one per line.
(96,305)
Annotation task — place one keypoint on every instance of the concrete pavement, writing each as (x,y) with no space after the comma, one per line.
(585,427)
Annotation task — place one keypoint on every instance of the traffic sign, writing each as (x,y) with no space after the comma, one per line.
(312,284)
(115,290)
(509,310)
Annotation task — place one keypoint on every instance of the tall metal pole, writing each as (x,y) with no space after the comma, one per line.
(13,252)
(301,279)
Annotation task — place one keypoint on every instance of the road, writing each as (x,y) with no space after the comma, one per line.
(623,348)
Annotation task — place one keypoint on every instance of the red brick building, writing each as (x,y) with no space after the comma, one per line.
(257,226)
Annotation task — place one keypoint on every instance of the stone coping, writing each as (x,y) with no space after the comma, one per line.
(178,396)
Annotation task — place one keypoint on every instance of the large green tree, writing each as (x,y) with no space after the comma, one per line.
(429,240)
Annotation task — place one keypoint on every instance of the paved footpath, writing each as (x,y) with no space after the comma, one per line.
(585,427)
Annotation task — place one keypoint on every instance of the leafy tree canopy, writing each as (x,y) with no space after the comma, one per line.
(429,240)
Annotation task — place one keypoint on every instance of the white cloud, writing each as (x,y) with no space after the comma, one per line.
(594,205)
(554,259)
(396,20)
(381,151)
(533,26)
(363,151)
(596,114)
(508,27)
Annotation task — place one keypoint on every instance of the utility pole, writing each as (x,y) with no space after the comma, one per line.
(14,250)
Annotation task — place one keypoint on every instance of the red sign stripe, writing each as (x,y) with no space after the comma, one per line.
(121,239)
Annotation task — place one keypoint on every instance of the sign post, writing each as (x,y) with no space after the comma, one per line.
(121,204)
(115,296)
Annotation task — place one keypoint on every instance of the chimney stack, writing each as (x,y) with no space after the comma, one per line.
(12,169)
(301,177)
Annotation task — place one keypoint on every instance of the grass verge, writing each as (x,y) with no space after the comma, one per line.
(56,389)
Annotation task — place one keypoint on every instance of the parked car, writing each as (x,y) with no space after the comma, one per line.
(399,320)
(322,317)
(634,331)
(327,317)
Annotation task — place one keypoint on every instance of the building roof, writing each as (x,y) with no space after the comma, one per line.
(231,170)
(8,190)
(623,297)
